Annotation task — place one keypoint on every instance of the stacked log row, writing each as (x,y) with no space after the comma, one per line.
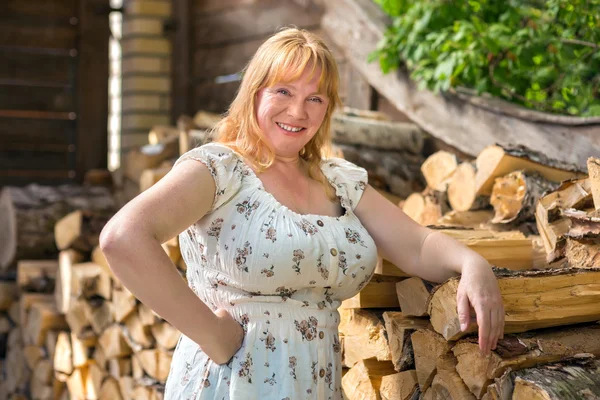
(414,348)
(75,332)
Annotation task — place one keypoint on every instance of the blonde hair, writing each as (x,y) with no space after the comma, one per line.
(282,57)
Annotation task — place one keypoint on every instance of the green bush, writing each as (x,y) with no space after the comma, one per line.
(542,54)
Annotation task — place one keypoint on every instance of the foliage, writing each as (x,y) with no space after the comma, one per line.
(543,54)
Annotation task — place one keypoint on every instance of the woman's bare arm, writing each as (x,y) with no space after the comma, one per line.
(131,242)
(433,256)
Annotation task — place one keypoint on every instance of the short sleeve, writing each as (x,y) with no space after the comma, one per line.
(225,167)
(349,178)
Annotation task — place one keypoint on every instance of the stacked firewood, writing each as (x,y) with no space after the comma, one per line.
(76,333)
(537,222)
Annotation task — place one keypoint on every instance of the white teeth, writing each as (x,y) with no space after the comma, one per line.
(288,128)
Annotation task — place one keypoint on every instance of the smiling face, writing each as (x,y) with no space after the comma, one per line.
(290,113)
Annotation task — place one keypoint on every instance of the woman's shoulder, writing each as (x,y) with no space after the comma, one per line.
(343,169)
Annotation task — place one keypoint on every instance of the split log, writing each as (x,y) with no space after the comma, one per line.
(413,296)
(384,267)
(363,381)
(28,215)
(161,133)
(578,379)
(509,249)
(26,301)
(392,171)
(206,119)
(41,318)
(8,294)
(496,161)
(33,354)
(379,292)
(402,386)
(438,169)
(124,302)
(63,355)
(36,275)
(80,230)
(364,336)
(514,196)
(113,343)
(191,138)
(462,192)
(156,363)
(166,335)
(593,165)
(583,253)
(149,156)
(368,114)
(110,390)
(99,313)
(425,208)
(516,352)
(447,385)
(385,135)
(551,225)
(399,329)
(532,300)
(62,292)
(478,219)
(428,347)
(152,175)
(90,280)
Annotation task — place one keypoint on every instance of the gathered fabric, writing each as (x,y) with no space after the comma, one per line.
(282,275)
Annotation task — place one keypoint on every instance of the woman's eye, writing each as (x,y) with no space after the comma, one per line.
(315,100)
(283,92)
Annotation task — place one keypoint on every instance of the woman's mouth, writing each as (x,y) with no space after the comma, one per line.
(289,128)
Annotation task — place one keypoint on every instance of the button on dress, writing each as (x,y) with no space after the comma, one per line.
(282,275)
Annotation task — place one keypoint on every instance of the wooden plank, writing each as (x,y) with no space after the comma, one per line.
(36,98)
(33,160)
(231,58)
(14,130)
(52,36)
(215,6)
(35,68)
(34,114)
(181,68)
(36,8)
(467,127)
(214,97)
(92,78)
(252,21)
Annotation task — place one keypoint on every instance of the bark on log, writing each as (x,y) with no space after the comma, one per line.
(516,352)
(593,165)
(28,216)
(357,26)
(514,196)
(399,329)
(384,135)
(392,171)
(426,208)
(583,253)
(532,300)
(579,379)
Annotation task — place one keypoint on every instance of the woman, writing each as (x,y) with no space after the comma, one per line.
(275,237)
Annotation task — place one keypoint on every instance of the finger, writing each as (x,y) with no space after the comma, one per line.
(463,310)
(483,320)
(493,336)
(502,321)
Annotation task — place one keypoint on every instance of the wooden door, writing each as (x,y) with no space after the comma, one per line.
(53,89)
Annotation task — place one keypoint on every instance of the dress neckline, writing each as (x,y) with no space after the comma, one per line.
(261,187)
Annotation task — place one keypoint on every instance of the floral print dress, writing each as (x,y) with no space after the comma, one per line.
(281,275)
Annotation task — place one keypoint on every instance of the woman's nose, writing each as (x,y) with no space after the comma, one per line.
(297,109)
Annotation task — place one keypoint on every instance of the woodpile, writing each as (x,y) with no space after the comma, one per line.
(74,332)
(537,223)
